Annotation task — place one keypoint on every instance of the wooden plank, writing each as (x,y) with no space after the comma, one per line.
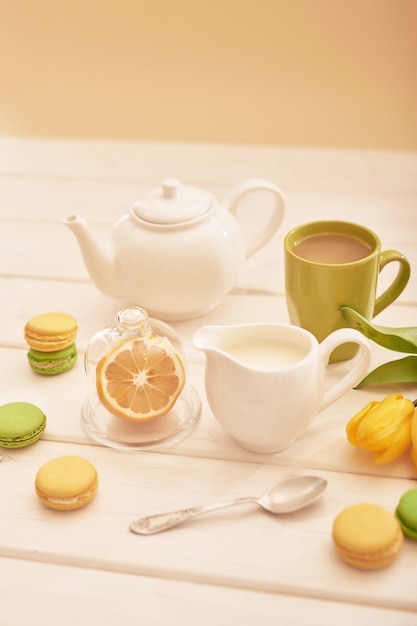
(242,547)
(49,250)
(199,163)
(68,595)
(324,445)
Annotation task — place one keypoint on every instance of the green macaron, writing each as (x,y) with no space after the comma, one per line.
(49,363)
(406,513)
(21,424)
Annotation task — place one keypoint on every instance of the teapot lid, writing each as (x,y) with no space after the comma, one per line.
(173,203)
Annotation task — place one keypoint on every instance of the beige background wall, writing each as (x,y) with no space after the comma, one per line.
(292,72)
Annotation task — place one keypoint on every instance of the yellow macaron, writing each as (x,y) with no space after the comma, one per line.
(66,483)
(49,332)
(367,536)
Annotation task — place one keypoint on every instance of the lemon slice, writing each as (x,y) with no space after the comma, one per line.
(140,379)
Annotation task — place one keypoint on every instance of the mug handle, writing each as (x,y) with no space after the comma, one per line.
(398,285)
(360,364)
(261,237)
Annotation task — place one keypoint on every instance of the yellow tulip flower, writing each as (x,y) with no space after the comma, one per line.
(383,428)
(414,437)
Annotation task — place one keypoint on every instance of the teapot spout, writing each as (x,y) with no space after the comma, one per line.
(99,263)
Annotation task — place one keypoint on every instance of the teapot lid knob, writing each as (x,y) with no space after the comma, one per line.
(173,203)
(170,187)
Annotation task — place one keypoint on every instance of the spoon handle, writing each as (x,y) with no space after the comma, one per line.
(162,521)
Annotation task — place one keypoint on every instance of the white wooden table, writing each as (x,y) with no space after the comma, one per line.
(238,565)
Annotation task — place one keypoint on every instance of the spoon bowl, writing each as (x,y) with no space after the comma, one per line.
(292,494)
(285,497)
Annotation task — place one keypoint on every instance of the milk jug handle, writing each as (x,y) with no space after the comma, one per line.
(358,366)
(260,236)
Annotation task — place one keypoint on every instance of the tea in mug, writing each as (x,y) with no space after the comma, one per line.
(332,248)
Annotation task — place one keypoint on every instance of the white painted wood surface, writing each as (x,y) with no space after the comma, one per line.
(239,564)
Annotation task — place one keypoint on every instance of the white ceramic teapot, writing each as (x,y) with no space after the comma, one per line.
(177,252)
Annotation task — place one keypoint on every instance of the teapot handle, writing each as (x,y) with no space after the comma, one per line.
(262,236)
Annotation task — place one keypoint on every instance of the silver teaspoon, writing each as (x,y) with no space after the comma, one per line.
(285,497)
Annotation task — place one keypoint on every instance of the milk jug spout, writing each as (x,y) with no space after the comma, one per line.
(217,342)
(228,351)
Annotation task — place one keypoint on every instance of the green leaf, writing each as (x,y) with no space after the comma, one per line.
(400,371)
(398,339)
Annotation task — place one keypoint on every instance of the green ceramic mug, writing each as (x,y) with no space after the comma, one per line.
(329,264)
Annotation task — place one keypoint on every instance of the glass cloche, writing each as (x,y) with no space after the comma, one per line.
(138,393)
